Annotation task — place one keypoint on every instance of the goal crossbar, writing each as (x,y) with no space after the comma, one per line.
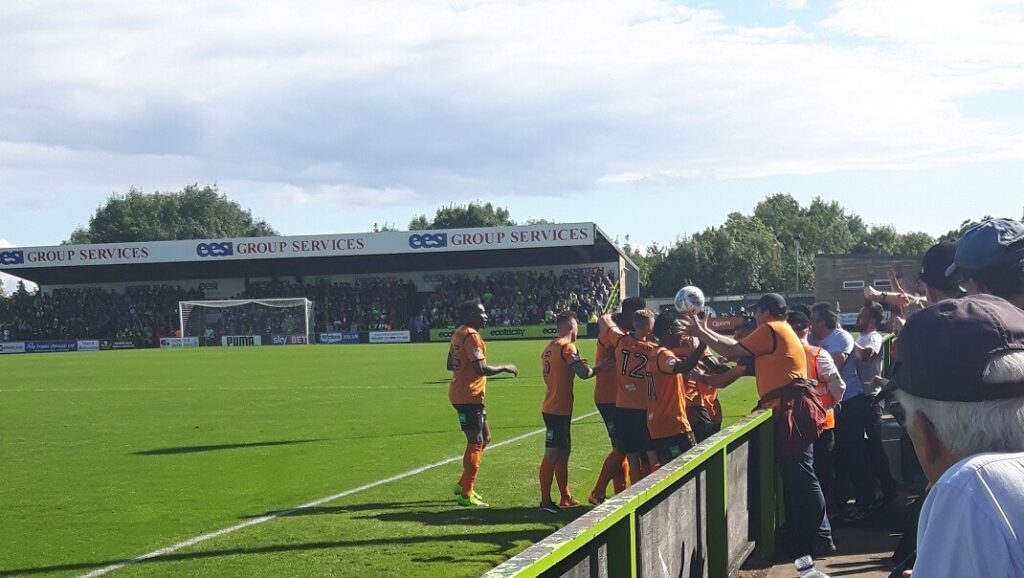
(185,308)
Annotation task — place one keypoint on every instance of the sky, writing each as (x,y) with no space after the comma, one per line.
(654,119)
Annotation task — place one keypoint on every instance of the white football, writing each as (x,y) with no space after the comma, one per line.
(690,299)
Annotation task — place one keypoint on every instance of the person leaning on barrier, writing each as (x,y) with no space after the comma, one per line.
(961,386)
(990,256)
(780,363)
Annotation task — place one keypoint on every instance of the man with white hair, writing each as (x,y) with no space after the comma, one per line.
(961,384)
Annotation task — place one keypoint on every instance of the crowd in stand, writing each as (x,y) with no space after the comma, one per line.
(137,313)
(520,297)
(146,313)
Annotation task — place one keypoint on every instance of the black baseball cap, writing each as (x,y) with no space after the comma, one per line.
(944,349)
(988,244)
(773,303)
(798,320)
(935,263)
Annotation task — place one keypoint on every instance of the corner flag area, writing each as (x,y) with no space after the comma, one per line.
(301,461)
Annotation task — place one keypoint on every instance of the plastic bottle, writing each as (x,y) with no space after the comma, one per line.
(805,566)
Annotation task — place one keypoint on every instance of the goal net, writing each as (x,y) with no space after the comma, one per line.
(247,321)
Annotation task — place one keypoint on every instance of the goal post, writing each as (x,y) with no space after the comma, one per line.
(269,321)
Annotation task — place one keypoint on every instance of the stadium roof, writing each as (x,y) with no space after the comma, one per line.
(384,252)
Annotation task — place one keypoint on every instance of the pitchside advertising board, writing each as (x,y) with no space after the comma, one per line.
(390,337)
(508,332)
(178,342)
(384,243)
(338,337)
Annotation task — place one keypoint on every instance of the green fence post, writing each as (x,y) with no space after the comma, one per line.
(767,496)
(718,510)
(622,548)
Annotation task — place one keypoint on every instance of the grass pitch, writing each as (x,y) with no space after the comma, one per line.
(110,455)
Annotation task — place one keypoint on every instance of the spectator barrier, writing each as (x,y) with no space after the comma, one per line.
(701,514)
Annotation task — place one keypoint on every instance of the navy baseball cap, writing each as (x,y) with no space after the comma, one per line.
(987,244)
(934,264)
(772,302)
(944,349)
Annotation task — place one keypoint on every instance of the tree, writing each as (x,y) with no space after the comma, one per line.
(193,213)
(955,234)
(464,216)
(885,240)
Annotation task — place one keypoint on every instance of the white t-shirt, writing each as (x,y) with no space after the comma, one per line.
(828,376)
(972,522)
(868,370)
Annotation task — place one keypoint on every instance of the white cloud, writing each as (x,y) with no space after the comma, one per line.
(379,103)
(10,282)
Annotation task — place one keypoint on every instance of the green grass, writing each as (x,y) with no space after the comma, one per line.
(109,455)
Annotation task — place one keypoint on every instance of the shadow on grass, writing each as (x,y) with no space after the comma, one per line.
(501,542)
(220,447)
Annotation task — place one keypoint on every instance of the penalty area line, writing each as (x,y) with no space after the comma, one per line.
(272,516)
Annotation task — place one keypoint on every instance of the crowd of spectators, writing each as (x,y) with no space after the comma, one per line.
(139,313)
(146,313)
(519,297)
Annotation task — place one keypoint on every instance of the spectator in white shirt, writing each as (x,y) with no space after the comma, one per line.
(961,384)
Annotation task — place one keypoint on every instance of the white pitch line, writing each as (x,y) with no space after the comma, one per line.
(262,519)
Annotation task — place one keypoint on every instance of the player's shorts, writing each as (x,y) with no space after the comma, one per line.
(557,435)
(471,415)
(608,415)
(631,427)
(700,421)
(673,446)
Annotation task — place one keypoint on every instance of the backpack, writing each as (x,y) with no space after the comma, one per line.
(799,419)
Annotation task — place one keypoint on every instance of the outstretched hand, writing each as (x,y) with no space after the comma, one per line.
(693,324)
(511,368)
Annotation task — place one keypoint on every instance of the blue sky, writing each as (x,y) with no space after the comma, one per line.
(653,119)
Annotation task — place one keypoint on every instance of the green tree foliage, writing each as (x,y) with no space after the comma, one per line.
(955,234)
(759,252)
(464,216)
(193,213)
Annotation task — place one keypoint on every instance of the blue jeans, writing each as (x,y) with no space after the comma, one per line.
(806,520)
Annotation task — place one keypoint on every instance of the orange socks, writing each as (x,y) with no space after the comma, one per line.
(470,468)
(547,471)
(562,475)
(613,468)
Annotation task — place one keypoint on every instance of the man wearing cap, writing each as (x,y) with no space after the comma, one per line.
(779,360)
(961,384)
(990,256)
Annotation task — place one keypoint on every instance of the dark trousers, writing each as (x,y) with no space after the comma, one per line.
(804,504)
(824,465)
(876,452)
(852,462)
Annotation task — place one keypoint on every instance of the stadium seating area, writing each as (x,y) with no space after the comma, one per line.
(146,313)
(520,297)
(138,313)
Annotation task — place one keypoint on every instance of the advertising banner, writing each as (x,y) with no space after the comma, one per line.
(12,347)
(339,337)
(241,340)
(848,319)
(724,323)
(50,346)
(508,332)
(88,345)
(279,339)
(175,342)
(390,337)
(383,243)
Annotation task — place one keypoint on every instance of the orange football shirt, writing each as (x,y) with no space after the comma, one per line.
(779,356)
(666,413)
(557,360)
(632,358)
(465,350)
(605,381)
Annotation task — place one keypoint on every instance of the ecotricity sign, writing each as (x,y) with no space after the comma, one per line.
(384,243)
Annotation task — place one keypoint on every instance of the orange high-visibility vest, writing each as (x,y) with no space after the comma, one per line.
(822,391)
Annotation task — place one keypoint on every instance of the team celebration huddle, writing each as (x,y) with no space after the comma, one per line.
(957,387)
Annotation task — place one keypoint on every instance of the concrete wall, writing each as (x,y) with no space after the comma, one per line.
(832,271)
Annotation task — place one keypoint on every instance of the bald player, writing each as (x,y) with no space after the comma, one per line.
(467,360)
(561,364)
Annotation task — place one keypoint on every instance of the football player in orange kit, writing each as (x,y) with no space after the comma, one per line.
(633,353)
(561,364)
(615,468)
(467,361)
